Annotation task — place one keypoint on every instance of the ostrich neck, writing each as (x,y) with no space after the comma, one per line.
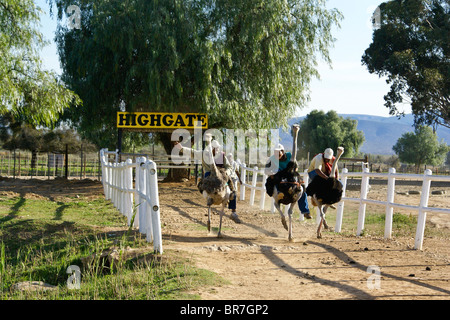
(294,145)
(334,166)
(214,170)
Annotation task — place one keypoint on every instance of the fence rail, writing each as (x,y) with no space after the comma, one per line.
(365,176)
(140,200)
(422,208)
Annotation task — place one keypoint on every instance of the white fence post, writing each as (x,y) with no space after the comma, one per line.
(117,179)
(254,180)
(137,192)
(389,208)
(154,200)
(142,209)
(340,208)
(244,181)
(422,213)
(262,200)
(129,187)
(362,204)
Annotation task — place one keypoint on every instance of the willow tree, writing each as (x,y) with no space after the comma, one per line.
(247,64)
(27,90)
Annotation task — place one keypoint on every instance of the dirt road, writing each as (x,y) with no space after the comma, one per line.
(260,263)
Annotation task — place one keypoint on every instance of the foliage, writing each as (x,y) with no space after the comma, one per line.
(244,63)
(320,130)
(25,88)
(15,134)
(411,48)
(421,147)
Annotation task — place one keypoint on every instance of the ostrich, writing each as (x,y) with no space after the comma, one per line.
(325,192)
(215,189)
(285,186)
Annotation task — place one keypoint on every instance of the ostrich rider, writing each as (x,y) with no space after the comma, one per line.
(221,161)
(277,162)
(321,165)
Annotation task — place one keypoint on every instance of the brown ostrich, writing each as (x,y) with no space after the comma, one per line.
(215,188)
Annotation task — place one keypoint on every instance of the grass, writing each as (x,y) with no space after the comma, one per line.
(403,224)
(40,239)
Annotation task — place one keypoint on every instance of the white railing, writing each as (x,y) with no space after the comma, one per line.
(422,208)
(141,200)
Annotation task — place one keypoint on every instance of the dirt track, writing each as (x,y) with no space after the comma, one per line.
(259,262)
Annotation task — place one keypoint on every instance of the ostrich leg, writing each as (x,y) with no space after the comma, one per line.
(209,219)
(283,218)
(325,225)
(322,217)
(219,234)
(290,223)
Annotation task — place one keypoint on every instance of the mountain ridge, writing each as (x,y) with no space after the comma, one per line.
(376,129)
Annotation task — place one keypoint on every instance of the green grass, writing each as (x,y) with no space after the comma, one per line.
(40,239)
(403,225)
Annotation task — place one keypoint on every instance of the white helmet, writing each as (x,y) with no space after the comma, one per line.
(215,144)
(279,147)
(328,154)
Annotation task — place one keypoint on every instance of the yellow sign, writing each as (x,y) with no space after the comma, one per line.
(157,120)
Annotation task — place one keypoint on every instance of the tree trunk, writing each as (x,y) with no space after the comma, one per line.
(174,174)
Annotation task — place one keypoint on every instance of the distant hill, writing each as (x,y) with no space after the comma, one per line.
(381,133)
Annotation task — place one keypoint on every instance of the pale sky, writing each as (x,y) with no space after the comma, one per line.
(347,88)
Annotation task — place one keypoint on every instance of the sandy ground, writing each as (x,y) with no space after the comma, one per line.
(259,262)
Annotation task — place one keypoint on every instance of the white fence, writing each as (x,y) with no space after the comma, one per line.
(422,208)
(142,199)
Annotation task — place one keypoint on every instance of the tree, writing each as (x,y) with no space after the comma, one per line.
(421,147)
(25,88)
(411,48)
(247,64)
(320,130)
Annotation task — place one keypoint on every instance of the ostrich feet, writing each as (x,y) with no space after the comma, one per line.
(319,228)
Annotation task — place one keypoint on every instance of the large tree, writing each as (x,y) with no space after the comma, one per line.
(320,130)
(411,48)
(26,89)
(421,147)
(247,64)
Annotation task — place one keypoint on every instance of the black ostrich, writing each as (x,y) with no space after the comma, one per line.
(325,192)
(285,186)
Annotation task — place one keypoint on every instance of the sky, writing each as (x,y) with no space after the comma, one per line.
(347,88)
